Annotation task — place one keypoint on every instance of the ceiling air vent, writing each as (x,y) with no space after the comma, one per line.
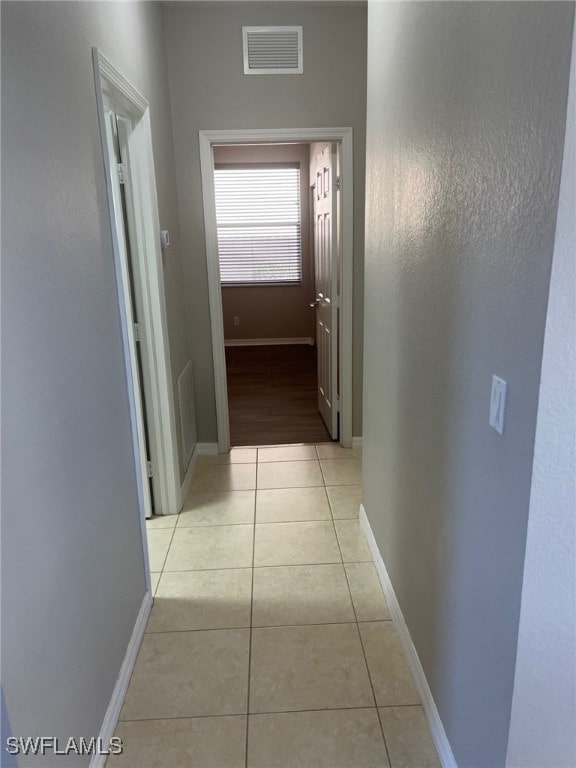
(272,50)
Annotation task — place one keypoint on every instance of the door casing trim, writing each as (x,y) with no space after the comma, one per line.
(343,136)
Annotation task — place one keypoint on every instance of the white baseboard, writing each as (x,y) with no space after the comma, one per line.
(357,442)
(435,723)
(207,449)
(200,449)
(188,476)
(266,342)
(113,712)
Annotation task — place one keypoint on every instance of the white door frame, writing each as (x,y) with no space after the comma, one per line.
(113,89)
(343,136)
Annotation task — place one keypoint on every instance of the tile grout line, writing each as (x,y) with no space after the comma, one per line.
(148,620)
(119,720)
(357,623)
(264,522)
(271,488)
(345,574)
(269,712)
(369,674)
(321,471)
(273,626)
(211,525)
(251,617)
(368,670)
(277,565)
(375,700)
(338,541)
(165,556)
(181,717)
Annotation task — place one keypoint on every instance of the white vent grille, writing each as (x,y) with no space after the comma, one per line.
(187,412)
(272,50)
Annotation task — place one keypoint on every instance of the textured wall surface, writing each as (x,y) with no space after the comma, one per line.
(543,723)
(209,91)
(465,128)
(72,562)
(279,311)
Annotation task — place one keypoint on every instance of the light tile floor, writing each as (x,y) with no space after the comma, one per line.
(270,643)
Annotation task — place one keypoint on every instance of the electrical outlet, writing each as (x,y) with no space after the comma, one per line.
(236,321)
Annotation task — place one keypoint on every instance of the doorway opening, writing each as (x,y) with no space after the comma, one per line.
(267,273)
(278,218)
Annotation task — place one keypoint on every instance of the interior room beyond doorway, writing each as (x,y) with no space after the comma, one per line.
(268,314)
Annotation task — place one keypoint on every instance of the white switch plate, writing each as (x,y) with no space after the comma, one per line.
(498,404)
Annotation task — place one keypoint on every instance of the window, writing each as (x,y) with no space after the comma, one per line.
(258,219)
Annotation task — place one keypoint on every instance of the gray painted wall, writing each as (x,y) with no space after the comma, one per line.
(209,91)
(543,722)
(7,760)
(72,563)
(279,311)
(466,110)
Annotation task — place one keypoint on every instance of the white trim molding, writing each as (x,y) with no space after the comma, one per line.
(118,82)
(188,476)
(207,449)
(343,136)
(267,342)
(432,715)
(115,705)
(200,449)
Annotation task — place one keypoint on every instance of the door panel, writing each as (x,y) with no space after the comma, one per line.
(142,349)
(114,126)
(326,277)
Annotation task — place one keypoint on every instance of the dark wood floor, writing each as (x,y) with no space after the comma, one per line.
(272,395)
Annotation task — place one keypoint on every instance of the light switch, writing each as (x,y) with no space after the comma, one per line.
(498,404)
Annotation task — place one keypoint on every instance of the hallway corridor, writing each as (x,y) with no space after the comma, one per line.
(270,644)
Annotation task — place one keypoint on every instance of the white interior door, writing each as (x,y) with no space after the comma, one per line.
(326,269)
(122,232)
(129,206)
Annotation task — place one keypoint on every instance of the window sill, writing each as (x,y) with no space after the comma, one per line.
(274,284)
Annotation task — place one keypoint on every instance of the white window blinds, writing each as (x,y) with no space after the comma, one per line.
(258,219)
